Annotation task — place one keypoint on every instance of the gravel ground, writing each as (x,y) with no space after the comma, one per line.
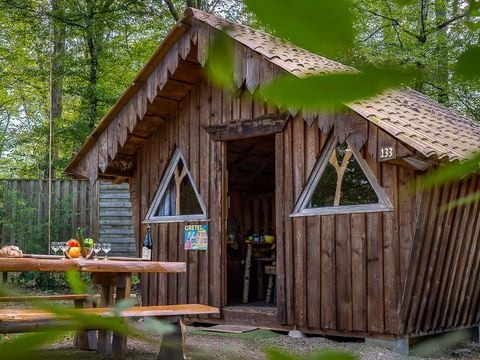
(208,345)
(202,345)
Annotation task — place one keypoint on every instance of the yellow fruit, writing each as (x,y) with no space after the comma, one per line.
(74,252)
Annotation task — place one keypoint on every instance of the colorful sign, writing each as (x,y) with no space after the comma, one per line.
(195,237)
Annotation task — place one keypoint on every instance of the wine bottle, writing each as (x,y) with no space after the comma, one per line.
(147,245)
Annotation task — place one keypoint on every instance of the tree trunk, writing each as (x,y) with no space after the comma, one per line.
(441,74)
(57,73)
(92,48)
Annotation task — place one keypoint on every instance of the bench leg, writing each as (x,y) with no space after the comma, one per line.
(105,337)
(85,339)
(171,347)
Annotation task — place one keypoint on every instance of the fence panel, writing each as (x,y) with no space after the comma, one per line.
(24,212)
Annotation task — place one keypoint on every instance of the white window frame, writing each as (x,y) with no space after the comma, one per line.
(301,209)
(151,218)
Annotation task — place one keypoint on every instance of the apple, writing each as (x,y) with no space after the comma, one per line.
(88,242)
(73,243)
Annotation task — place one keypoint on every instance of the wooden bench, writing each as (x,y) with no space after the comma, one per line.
(78,299)
(170,348)
(85,340)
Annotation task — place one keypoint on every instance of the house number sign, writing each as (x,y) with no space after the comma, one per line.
(386,153)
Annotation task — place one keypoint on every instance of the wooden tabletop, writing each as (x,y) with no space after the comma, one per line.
(90,265)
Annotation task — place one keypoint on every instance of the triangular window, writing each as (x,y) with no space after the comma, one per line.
(177,198)
(341,182)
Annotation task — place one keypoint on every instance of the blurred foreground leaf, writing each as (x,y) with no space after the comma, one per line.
(327,91)
(158,327)
(452,172)
(77,285)
(323,27)
(470,198)
(219,65)
(326,354)
(468,62)
(428,347)
(22,347)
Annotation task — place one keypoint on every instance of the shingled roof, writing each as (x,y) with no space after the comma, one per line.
(427,126)
(431,129)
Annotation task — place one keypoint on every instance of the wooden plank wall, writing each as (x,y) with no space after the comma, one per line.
(115,219)
(343,273)
(443,285)
(204,279)
(337,274)
(24,211)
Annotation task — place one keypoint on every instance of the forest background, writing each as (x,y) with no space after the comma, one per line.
(65,62)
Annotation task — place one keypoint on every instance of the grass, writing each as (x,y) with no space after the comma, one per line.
(259,334)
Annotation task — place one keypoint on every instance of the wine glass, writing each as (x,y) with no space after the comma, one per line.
(64,247)
(106,247)
(55,246)
(96,249)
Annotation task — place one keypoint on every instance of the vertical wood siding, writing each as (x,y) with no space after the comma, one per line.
(343,273)
(336,274)
(442,284)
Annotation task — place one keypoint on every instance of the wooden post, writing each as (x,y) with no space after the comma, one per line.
(246,277)
(119,342)
(171,347)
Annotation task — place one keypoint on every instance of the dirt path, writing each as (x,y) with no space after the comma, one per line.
(207,345)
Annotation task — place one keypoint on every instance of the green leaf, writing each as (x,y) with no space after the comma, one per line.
(470,198)
(324,354)
(327,91)
(404,2)
(155,326)
(451,172)
(277,354)
(427,347)
(467,63)
(219,66)
(323,27)
(23,346)
(75,282)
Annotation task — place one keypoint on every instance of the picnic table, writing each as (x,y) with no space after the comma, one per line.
(113,275)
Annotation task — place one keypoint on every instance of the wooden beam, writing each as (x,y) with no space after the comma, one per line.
(247,128)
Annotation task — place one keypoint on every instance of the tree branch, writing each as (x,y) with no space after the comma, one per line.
(376,32)
(395,22)
(172,9)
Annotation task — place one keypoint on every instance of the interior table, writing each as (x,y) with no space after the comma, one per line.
(113,275)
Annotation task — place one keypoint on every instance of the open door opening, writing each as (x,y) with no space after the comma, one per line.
(251,251)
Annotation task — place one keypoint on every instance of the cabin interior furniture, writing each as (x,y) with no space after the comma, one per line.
(171,346)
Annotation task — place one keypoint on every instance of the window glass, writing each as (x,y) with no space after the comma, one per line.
(176,195)
(342,182)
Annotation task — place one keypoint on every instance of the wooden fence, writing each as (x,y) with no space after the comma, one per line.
(75,203)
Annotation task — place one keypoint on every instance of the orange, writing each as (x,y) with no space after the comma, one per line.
(74,252)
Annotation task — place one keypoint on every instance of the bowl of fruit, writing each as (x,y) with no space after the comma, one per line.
(73,249)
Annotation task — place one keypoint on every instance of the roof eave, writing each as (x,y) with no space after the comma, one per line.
(177,31)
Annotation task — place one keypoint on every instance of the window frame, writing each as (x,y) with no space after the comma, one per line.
(150,218)
(384,204)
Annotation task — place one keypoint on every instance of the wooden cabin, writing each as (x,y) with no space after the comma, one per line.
(360,249)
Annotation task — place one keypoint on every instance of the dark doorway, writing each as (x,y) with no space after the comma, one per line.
(251,222)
